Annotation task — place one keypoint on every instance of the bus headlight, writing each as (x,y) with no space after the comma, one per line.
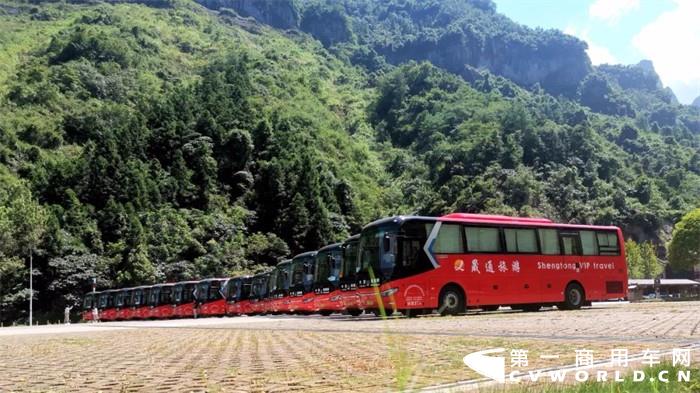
(307,300)
(335,298)
(389,292)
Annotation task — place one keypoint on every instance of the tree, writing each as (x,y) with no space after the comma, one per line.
(266,248)
(651,268)
(634,259)
(684,247)
(23,221)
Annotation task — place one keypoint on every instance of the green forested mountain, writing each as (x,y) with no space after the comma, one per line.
(165,140)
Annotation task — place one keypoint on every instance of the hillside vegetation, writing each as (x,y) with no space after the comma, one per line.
(168,140)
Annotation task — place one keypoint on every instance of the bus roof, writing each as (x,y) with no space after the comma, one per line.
(352,238)
(495,218)
(524,221)
(186,282)
(397,220)
(286,261)
(305,254)
(487,219)
(168,284)
(211,280)
(330,247)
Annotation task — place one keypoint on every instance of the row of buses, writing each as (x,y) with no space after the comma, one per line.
(408,264)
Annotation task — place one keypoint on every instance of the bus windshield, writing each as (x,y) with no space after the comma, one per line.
(328,266)
(283,273)
(392,251)
(302,271)
(87,302)
(350,259)
(272,282)
(232,289)
(378,250)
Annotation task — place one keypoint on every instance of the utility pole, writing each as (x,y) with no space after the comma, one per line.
(31,286)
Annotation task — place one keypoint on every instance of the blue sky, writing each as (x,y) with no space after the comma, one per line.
(666,32)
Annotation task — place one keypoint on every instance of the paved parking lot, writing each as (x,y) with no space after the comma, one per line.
(313,353)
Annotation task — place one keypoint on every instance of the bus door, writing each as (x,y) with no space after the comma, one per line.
(571,248)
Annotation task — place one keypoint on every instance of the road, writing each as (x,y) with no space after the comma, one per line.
(314,353)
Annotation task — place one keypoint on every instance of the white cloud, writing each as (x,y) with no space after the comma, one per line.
(597,53)
(611,11)
(672,42)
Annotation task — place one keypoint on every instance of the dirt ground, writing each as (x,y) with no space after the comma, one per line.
(317,354)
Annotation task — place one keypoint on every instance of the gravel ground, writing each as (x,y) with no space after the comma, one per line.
(317,354)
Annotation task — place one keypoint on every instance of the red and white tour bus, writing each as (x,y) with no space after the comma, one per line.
(122,302)
(460,261)
(301,294)
(349,276)
(236,293)
(209,297)
(329,265)
(107,311)
(278,287)
(161,301)
(258,299)
(89,302)
(183,298)
(139,300)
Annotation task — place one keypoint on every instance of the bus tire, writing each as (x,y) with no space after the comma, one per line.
(355,312)
(574,297)
(451,301)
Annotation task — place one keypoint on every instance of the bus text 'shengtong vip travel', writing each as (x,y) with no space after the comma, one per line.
(409,264)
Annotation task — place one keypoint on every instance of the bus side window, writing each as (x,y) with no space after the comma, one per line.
(588,243)
(607,243)
(520,240)
(549,241)
(449,240)
(483,239)
(570,243)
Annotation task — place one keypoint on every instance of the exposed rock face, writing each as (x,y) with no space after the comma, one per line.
(557,64)
(330,25)
(696,102)
(639,76)
(281,14)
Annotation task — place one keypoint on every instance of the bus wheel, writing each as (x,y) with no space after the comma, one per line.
(355,312)
(573,297)
(490,308)
(451,301)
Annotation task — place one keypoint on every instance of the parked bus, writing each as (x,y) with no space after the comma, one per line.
(161,301)
(301,294)
(183,298)
(233,294)
(122,302)
(460,261)
(90,301)
(326,286)
(258,294)
(209,297)
(107,311)
(348,278)
(279,297)
(242,304)
(139,302)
